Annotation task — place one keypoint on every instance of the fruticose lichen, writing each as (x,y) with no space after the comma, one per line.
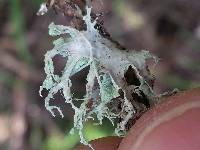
(106,87)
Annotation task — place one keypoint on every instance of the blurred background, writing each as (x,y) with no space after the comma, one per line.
(169,28)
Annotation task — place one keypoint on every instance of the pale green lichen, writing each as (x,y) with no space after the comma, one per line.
(107,65)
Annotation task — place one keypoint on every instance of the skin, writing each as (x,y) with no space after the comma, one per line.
(173,124)
(107,143)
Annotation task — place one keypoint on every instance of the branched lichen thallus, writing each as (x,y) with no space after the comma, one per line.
(105,80)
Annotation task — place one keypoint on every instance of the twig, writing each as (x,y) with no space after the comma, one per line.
(10,63)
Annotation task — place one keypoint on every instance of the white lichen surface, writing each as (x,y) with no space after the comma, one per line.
(107,66)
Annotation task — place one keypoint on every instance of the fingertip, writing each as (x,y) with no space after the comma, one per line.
(173,124)
(107,143)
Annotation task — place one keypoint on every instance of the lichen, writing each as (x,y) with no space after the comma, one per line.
(106,84)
